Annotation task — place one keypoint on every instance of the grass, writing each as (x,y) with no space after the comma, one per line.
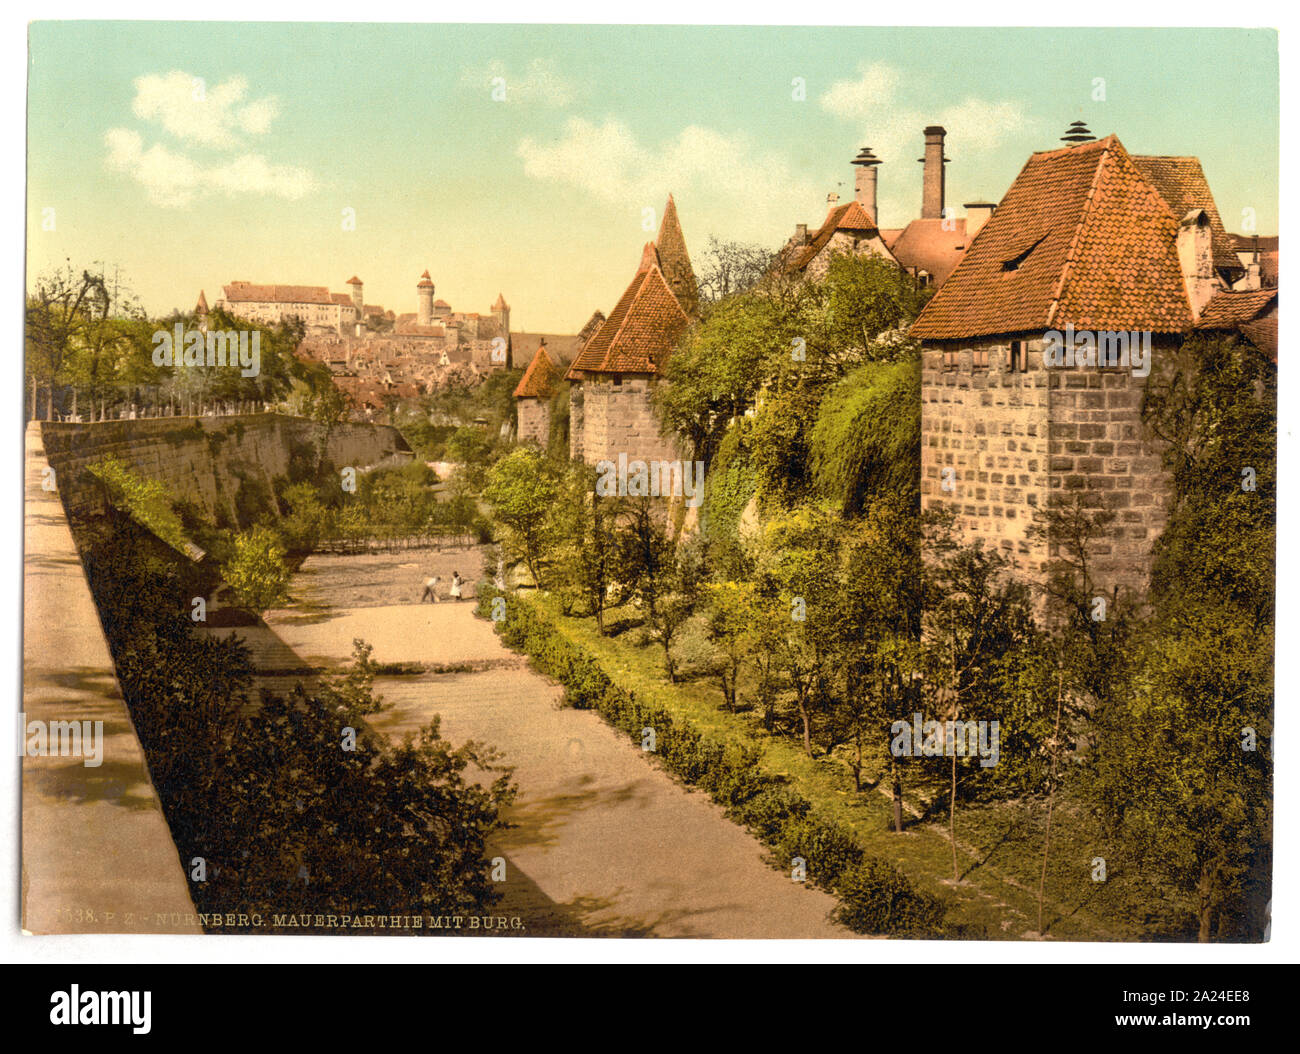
(999,845)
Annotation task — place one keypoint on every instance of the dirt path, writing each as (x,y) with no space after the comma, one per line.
(603,842)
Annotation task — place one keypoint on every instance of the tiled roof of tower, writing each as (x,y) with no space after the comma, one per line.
(354,280)
(850,217)
(246,292)
(1183,185)
(640,332)
(425,281)
(538,381)
(1081,237)
(201,308)
(675,261)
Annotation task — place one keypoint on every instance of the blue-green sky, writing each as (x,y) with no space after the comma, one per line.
(191,154)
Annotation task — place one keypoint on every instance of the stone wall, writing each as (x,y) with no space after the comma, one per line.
(1016,440)
(577,420)
(617,418)
(205,460)
(534,420)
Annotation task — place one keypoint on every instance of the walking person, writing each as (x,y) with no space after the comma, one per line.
(456,583)
(430,590)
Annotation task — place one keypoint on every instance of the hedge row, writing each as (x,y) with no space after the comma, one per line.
(875,897)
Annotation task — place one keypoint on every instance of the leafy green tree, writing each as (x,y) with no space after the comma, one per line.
(522,488)
(257,571)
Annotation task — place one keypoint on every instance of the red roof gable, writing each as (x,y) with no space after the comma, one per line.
(248,292)
(1081,237)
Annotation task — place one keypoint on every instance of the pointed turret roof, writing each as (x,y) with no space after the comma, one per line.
(640,332)
(675,261)
(501,304)
(425,281)
(201,308)
(354,280)
(538,381)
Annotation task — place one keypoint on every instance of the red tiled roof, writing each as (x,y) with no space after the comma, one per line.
(354,280)
(674,261)
(924,245)
(343,299)
(1229,309)
(1081,237)
(1183,185)
(850,217)
(441,303)
(640,332)
(248,292)
(538,381)
(425,281)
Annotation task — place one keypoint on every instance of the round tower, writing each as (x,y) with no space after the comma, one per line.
(424,297)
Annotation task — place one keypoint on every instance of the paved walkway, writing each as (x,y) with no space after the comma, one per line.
(603,842)
(97,856)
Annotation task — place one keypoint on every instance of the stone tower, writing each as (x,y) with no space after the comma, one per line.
(424,297)
(358,300)
(501,315)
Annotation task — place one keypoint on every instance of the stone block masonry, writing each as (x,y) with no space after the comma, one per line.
(205,460)
(1003,437)
(534,420)
(618,419)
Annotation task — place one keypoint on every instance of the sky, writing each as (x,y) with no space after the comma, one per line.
(534,161)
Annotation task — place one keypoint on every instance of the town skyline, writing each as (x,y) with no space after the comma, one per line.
(542,196)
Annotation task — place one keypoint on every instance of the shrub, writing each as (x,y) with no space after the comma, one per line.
(875,897)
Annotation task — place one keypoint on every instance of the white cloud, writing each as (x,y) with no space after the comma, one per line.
(893,131)
(173,180)
(866,95)
(202,114)
(210,117)
(541,83)
(702,167)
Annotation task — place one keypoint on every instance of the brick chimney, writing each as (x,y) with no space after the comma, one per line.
(801,234)
(1196,259)
(932,178)
(865,181)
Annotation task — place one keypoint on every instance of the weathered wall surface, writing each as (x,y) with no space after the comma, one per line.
(1017,440)
(205,460)
(618,419)
(534,420)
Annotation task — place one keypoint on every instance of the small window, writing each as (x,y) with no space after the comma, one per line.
(950,360)
(1019,356)
(618,382)
(980,358)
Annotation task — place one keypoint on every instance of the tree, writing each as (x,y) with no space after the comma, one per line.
(733,618)
(256,571)
(977,619)
(586,525)
(522,488)
(1181,767)
(729,268)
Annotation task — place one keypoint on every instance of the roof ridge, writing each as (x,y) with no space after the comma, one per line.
(1078,229)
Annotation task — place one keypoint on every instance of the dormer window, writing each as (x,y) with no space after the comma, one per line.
(1015,262)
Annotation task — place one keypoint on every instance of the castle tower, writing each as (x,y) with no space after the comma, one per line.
(501,314)
(201,310)
(864,183)
(358,300)
(424,297)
